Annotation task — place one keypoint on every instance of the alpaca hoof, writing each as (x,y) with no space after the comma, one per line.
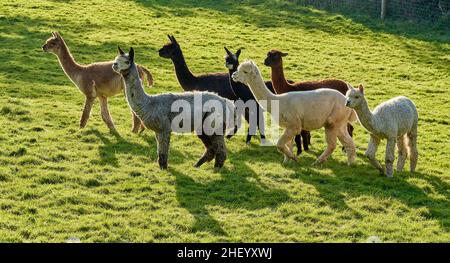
(317,163)
(299,152)
(217,169)
(229,136)
(135,131)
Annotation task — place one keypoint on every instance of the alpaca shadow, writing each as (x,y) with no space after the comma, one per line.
(115,144)
(346,183)
(230,191)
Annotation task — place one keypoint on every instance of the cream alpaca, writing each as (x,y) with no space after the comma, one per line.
(303,110)
(394,120)
(96,80)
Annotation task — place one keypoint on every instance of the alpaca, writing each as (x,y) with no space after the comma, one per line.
(274,60)
(395,120)
(244,93)
(96,80)
(213,82)
(156,113)
(306,110)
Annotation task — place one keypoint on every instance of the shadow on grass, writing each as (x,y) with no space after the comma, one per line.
(230,191)
(291,14)
(362,179)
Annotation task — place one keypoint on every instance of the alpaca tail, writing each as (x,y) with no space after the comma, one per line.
(147,74)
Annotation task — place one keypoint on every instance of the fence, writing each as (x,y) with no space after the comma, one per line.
(427,10)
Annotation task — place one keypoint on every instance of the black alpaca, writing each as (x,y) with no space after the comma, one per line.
(243,92)
(213,82)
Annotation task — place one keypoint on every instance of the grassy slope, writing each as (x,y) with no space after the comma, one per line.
(57,181)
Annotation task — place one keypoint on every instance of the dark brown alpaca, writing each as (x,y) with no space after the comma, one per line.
(274,60)
(97,80)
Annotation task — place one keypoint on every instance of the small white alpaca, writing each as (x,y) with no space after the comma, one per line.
(303,110)
(394,120)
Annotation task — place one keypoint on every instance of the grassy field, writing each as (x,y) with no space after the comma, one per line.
(57,181)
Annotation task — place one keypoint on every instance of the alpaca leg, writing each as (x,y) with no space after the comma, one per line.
(282,144)
(290,145)
(261,125)
(136,123)
(86,111)
(105,112)
(371,151)
(331,137)
(209,153)
(163,140)
(306,135)
(402,153)
(251,129)
(298,142)
(413,152)
(350,132)
(349,145)
(390,156)
(220,149)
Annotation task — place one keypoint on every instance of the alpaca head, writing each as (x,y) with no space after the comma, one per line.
(354,96)
(246,72)
(53,44)
(123,62)
(274,58)
(232,60)
(170,50)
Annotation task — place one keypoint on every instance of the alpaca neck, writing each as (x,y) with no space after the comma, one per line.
(184,75)
(278,79)
(134,91)
(366,117)
(68,63)
(261,92)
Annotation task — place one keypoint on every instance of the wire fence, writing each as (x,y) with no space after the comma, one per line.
(418,10)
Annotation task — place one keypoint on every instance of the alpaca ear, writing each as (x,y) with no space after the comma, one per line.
(170,38)
(53,34)
(131,54)
(238,52)
(361,88)
(228,52)
(284,54)
(120,51)
(174,40)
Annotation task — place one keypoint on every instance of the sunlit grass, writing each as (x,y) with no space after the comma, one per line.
(57,181)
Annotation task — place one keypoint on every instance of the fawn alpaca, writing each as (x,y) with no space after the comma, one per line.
(156,113)
(244,93)
(305,110)
(274,60)
(395,120)
(96,80)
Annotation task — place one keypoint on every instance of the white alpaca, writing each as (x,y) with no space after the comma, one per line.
(303,110)
(395,120)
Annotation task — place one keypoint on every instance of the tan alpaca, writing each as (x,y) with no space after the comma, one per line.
(303,110)
(96,80)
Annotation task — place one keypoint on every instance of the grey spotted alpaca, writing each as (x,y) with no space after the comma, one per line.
(156,113)
(394,120)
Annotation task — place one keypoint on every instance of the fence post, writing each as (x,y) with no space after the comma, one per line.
(383,9)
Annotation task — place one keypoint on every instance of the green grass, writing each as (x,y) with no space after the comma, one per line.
(57,181)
